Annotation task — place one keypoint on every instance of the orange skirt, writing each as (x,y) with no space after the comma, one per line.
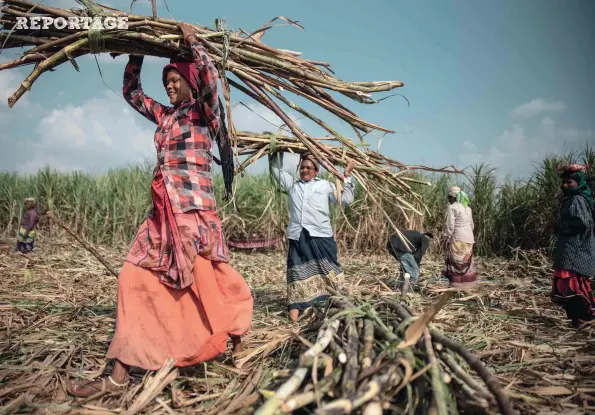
(155,322)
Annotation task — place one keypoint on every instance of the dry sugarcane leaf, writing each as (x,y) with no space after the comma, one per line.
(247,388)
(15,404)
(259,33)
(291,22)
(416,329)
(164,376)
(551,391)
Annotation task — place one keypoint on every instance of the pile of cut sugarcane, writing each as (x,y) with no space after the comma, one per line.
(260,71)
(374,357)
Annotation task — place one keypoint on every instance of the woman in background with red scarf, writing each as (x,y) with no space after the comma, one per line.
(177,295)
(574,255)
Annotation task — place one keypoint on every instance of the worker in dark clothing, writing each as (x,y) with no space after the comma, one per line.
(409,254)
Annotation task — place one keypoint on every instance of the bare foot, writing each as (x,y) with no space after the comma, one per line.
(86,389)
(294,315)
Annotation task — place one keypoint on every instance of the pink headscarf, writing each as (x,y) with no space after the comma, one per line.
(186,69)
(573,167)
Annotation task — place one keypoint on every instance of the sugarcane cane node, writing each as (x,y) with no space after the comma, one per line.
(447,378)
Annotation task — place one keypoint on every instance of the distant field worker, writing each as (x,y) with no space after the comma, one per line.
(409,255)
(459,265)
(177,295)
(28,228)
(312,262)
(574,254)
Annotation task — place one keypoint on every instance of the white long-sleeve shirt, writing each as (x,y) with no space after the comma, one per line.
(309,201)
(459,224)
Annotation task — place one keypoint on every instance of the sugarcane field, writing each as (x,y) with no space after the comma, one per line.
(379,208)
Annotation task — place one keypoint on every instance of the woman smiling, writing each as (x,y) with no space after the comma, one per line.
(177,295)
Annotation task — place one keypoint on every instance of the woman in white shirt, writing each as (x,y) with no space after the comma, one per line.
(459,266)
(312,257)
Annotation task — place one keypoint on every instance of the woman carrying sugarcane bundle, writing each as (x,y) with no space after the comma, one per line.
(177,295)
(312,261)
(459,265)
(574,254)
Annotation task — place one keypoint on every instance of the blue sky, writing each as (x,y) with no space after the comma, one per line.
(502,82)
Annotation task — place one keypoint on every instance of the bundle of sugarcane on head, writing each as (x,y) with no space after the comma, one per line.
(263,73)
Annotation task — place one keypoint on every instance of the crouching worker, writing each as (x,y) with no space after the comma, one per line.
(409,255)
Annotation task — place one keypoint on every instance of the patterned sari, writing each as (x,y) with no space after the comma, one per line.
(572,292)
(25,244)
(311,265)
(168,242)
(459,265)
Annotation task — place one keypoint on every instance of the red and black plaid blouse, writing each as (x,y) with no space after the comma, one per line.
(184,135)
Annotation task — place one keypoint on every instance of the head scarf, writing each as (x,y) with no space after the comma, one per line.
(310,156)
(576,172)
(30,200)
(459,195)
(453,191)
(186,69)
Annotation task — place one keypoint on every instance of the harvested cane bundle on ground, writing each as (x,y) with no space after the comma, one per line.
(264,73)
(370,357)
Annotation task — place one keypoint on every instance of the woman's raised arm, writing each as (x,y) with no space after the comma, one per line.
(134,95)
